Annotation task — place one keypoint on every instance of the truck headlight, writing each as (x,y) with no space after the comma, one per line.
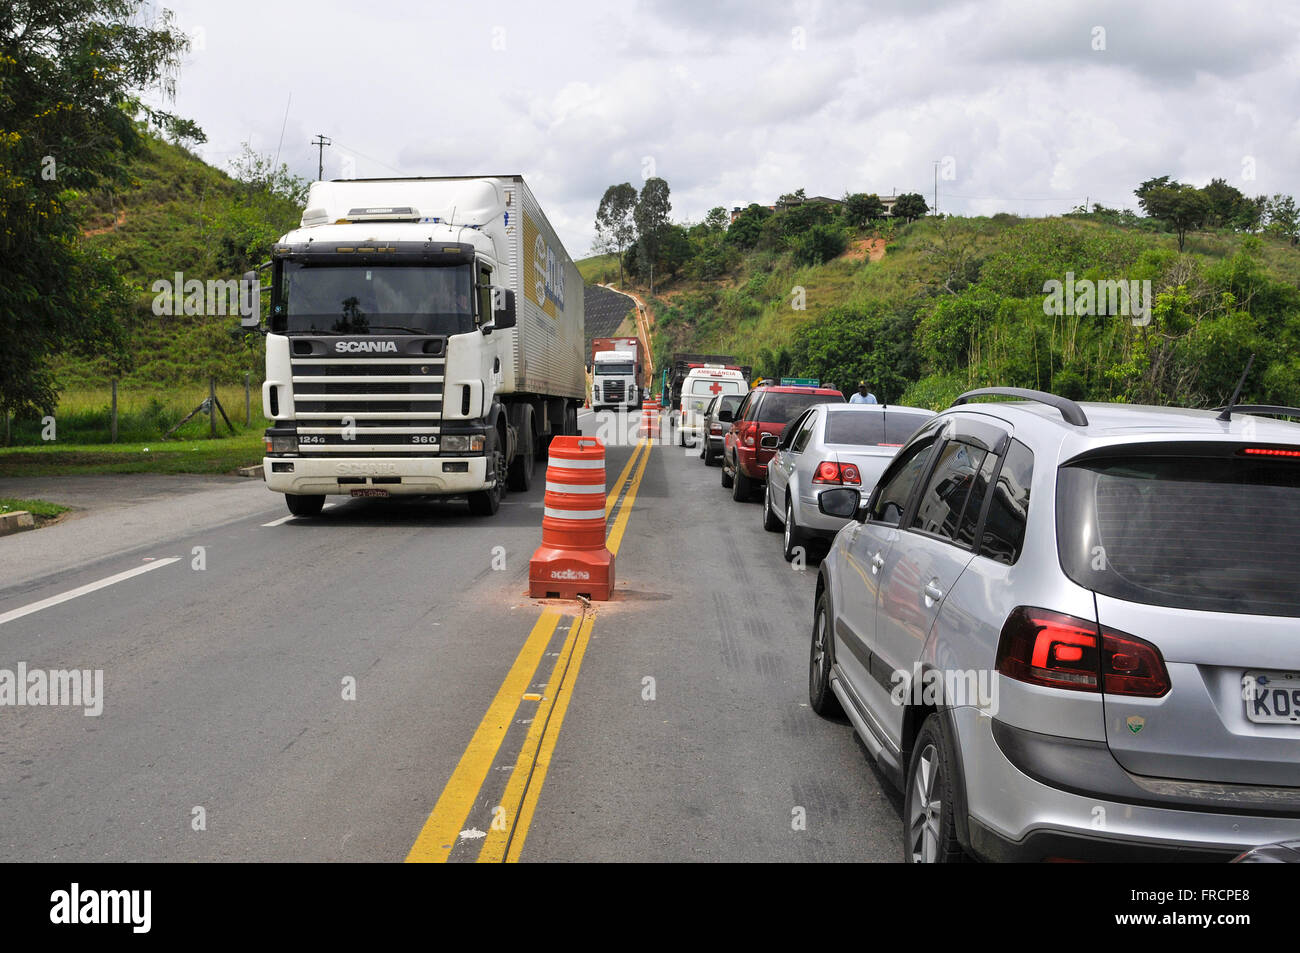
(282,444)
(462,443)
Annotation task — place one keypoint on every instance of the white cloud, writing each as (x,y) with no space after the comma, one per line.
(732,111)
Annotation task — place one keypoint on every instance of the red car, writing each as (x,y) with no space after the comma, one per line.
(759,421)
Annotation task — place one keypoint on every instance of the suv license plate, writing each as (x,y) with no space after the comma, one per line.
(369,491)
(1272,698)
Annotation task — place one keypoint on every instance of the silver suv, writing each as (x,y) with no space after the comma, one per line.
(1073,630)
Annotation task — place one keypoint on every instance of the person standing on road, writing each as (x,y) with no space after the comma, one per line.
(863,396)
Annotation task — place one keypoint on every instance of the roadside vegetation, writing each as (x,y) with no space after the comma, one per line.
(957,303)
(42,510)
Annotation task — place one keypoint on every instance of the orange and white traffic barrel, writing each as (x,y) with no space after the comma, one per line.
(573,559)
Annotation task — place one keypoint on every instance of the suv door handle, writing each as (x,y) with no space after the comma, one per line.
(877,561)
(932,593)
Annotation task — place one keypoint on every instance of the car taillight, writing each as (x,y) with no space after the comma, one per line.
(715,428)
(1042,647)
(828,471)
(750,431)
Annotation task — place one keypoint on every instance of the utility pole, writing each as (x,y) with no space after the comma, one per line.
(321,142)
(936,186)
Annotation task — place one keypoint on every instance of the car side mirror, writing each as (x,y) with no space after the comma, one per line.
(841,502)
(503,308)
(725,416)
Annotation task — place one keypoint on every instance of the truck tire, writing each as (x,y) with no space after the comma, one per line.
(309,505)
(521,467)
(487,502)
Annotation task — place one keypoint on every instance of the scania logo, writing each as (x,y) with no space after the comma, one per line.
(373,347)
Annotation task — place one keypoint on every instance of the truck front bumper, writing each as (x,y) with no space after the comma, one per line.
(440,476)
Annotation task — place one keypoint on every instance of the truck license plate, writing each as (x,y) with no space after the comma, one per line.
(370,491)
(1272,698)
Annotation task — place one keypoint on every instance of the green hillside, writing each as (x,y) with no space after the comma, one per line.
(959,302)
(180,215)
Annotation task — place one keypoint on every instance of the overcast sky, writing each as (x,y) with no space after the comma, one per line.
(1029,107)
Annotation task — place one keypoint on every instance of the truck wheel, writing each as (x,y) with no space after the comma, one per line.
(304,505)
(521,472)
(487,502)
(521,467)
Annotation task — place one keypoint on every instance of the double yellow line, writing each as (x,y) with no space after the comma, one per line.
(511,819)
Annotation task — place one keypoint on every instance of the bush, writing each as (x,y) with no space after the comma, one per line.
(818,245)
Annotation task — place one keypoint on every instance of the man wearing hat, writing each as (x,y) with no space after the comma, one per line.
(863,396)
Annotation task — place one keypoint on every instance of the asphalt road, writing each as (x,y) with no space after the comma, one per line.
(375,684)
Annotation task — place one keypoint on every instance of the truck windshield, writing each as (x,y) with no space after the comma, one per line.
(359,299)
(614,368)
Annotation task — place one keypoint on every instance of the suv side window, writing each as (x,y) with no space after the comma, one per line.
(900,479)
(805,432)
(946,496)
(1004,529)
(744,407)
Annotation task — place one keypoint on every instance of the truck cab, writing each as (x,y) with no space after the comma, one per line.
(420,342)
(613,380)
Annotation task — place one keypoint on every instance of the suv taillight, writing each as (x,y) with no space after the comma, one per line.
(828,471)
(1042,647)
(750,431)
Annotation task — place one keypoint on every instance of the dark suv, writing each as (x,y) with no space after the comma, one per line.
(759,422)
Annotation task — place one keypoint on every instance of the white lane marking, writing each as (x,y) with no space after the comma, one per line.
(285,519)
(83,590)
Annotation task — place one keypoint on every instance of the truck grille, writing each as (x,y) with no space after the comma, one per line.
(390,406)
(614,391)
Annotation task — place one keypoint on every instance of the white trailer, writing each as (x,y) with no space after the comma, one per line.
(426,337)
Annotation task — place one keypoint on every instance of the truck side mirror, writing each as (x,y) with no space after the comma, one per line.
(503,308)
(250,300)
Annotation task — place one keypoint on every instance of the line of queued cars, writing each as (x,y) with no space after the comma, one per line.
(1065,631)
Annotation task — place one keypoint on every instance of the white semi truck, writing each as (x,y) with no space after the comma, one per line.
(425,337)
(616,373)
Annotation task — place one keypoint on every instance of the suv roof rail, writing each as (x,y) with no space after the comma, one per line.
(1263,410)
(1071,411)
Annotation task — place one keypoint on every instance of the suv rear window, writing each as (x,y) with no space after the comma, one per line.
(778,408)
(901,424)
(1219,534)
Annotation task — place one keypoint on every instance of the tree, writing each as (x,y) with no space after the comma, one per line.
(1283,218)
(1226,204)
(910,206)
(615,229)
(861,209)
(71,75)
(1181,207)
(651,215)
(257,171)
(674,249)
(717,219)
(744,232)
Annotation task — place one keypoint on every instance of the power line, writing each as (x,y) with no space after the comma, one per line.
(276,164)
(358,152)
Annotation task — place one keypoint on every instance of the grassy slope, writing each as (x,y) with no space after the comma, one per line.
(753,311)
(180,215)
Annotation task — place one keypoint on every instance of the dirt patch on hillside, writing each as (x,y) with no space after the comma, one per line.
(121,218)
(866,249)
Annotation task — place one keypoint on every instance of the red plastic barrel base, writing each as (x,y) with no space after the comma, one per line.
(566,573)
